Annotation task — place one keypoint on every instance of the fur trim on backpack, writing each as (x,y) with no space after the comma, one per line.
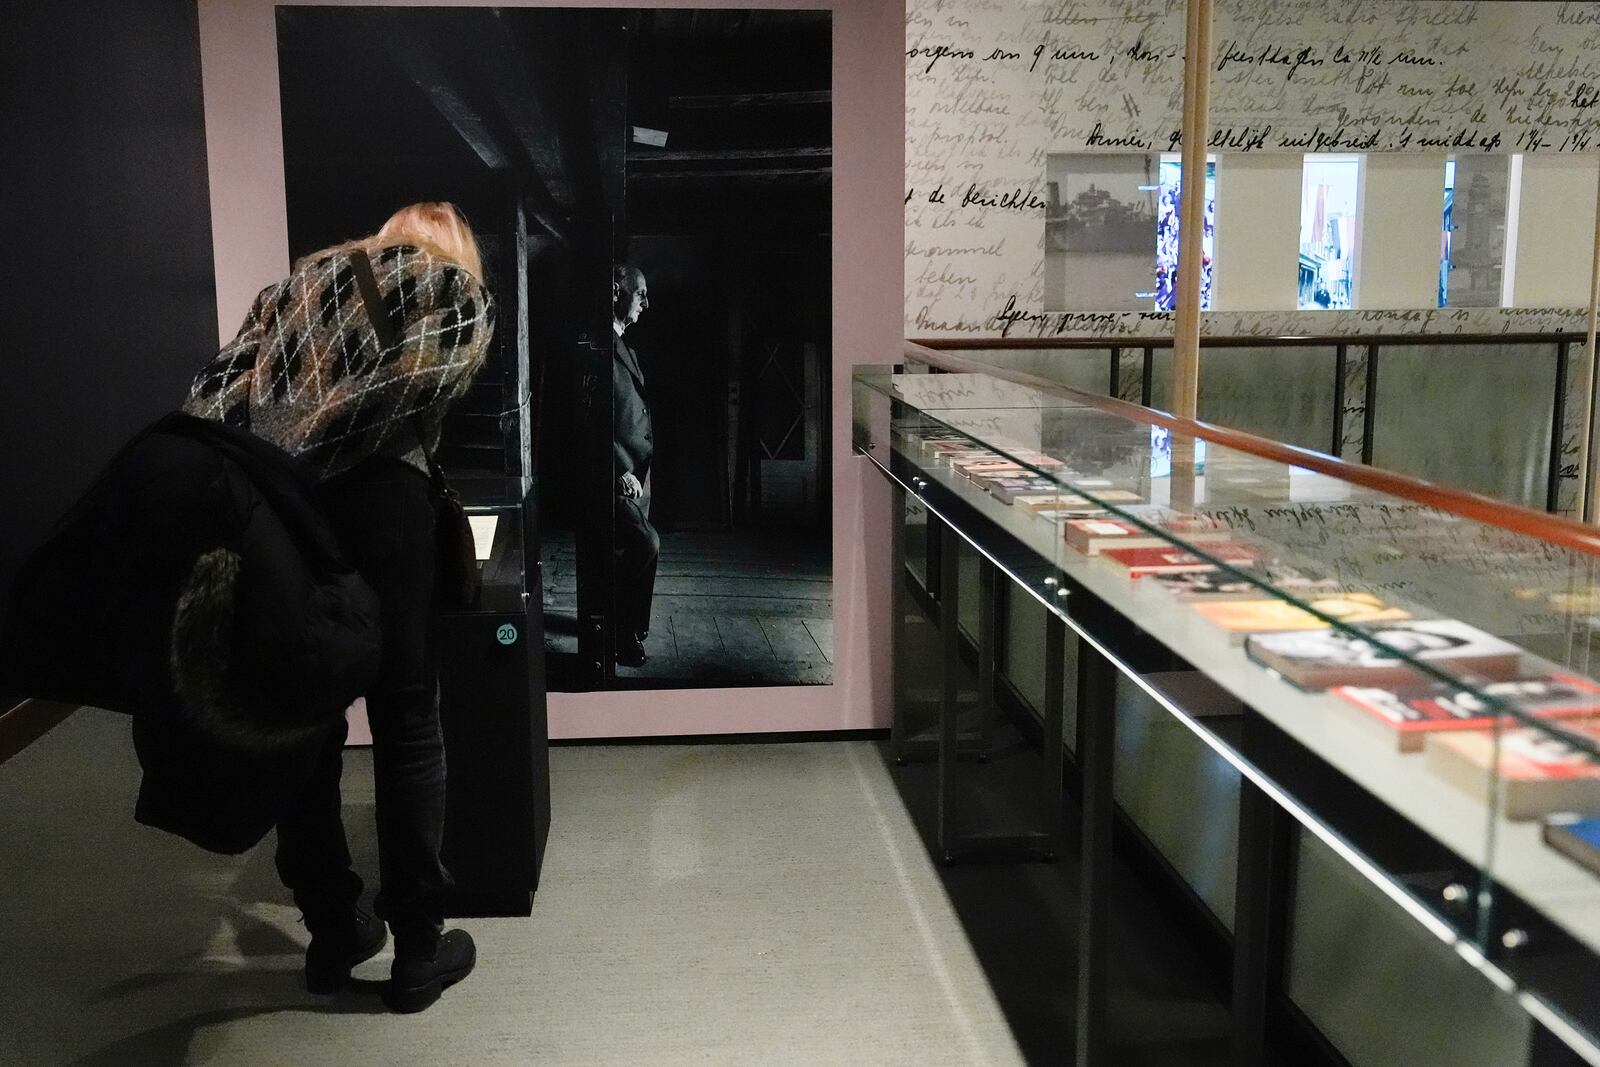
(203,662)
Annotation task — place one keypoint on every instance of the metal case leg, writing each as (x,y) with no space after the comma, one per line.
(899,730)
(906,743)
(987,631)
(949,650)
(1260,917)
(1055,765)
(1097,712)
(954,847)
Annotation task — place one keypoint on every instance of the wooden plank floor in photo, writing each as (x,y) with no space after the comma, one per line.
(729,609)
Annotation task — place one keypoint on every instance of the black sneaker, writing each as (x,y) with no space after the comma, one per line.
(415,981)
(337,945)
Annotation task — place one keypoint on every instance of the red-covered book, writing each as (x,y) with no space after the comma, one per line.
(1536,773)
(1415,713)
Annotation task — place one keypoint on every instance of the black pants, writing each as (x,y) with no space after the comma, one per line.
(638,546)
(382,512)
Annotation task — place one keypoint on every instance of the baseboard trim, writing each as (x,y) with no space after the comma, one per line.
(789,737)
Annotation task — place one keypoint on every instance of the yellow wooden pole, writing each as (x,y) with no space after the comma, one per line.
(1590,452)
(1192,207)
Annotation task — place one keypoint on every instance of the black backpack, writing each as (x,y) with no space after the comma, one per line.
(196,586)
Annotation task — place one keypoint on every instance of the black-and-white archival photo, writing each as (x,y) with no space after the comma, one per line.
(1478,187)
(651,190)
(1100,232)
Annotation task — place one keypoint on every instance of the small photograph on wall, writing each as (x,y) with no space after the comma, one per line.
(1477,192)
(1167,225)
(1329,191)
(651,189)
(1100,232)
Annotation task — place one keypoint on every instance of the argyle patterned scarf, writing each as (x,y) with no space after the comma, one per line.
(307,373)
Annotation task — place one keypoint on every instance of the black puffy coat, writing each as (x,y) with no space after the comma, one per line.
(196,587)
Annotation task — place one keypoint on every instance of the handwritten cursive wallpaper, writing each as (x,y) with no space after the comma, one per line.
(994,86)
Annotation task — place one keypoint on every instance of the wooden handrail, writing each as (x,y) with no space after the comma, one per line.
(1554,529)
(1216,341)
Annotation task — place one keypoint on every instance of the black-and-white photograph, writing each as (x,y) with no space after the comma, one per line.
(1100,232)
(651,191)
(1477,191)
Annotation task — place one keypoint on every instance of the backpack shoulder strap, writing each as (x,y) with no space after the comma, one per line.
(372,303)
(372,299)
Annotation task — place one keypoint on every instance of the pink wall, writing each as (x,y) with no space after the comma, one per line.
(244,144)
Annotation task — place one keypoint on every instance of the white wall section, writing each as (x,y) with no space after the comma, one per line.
(1402,220)
(1258,228)
(1555,230)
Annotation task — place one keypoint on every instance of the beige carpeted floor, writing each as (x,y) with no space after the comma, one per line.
(742,904)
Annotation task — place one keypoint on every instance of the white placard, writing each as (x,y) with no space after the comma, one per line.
(483,529)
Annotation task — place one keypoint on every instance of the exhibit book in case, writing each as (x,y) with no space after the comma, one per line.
(1435,651)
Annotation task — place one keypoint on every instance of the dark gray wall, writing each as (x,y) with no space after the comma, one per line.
(108,302)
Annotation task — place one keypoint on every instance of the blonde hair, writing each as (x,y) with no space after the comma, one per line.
(435,226)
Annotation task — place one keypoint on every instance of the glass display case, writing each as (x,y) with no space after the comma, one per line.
(1407,673)
(492,708)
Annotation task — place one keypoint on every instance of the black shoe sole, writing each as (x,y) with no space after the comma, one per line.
(410,999)
(325,977)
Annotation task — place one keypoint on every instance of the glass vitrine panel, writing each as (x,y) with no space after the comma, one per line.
(499,537)
(1485,425)
(1089,369)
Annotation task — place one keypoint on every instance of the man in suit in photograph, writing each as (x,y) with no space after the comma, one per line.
(637,544)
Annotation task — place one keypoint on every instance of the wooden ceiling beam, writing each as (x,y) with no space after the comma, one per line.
(420,63)
(512,82)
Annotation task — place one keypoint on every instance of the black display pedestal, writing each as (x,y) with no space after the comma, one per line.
(492,705)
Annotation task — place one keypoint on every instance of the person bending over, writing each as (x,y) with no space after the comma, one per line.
(306,372)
